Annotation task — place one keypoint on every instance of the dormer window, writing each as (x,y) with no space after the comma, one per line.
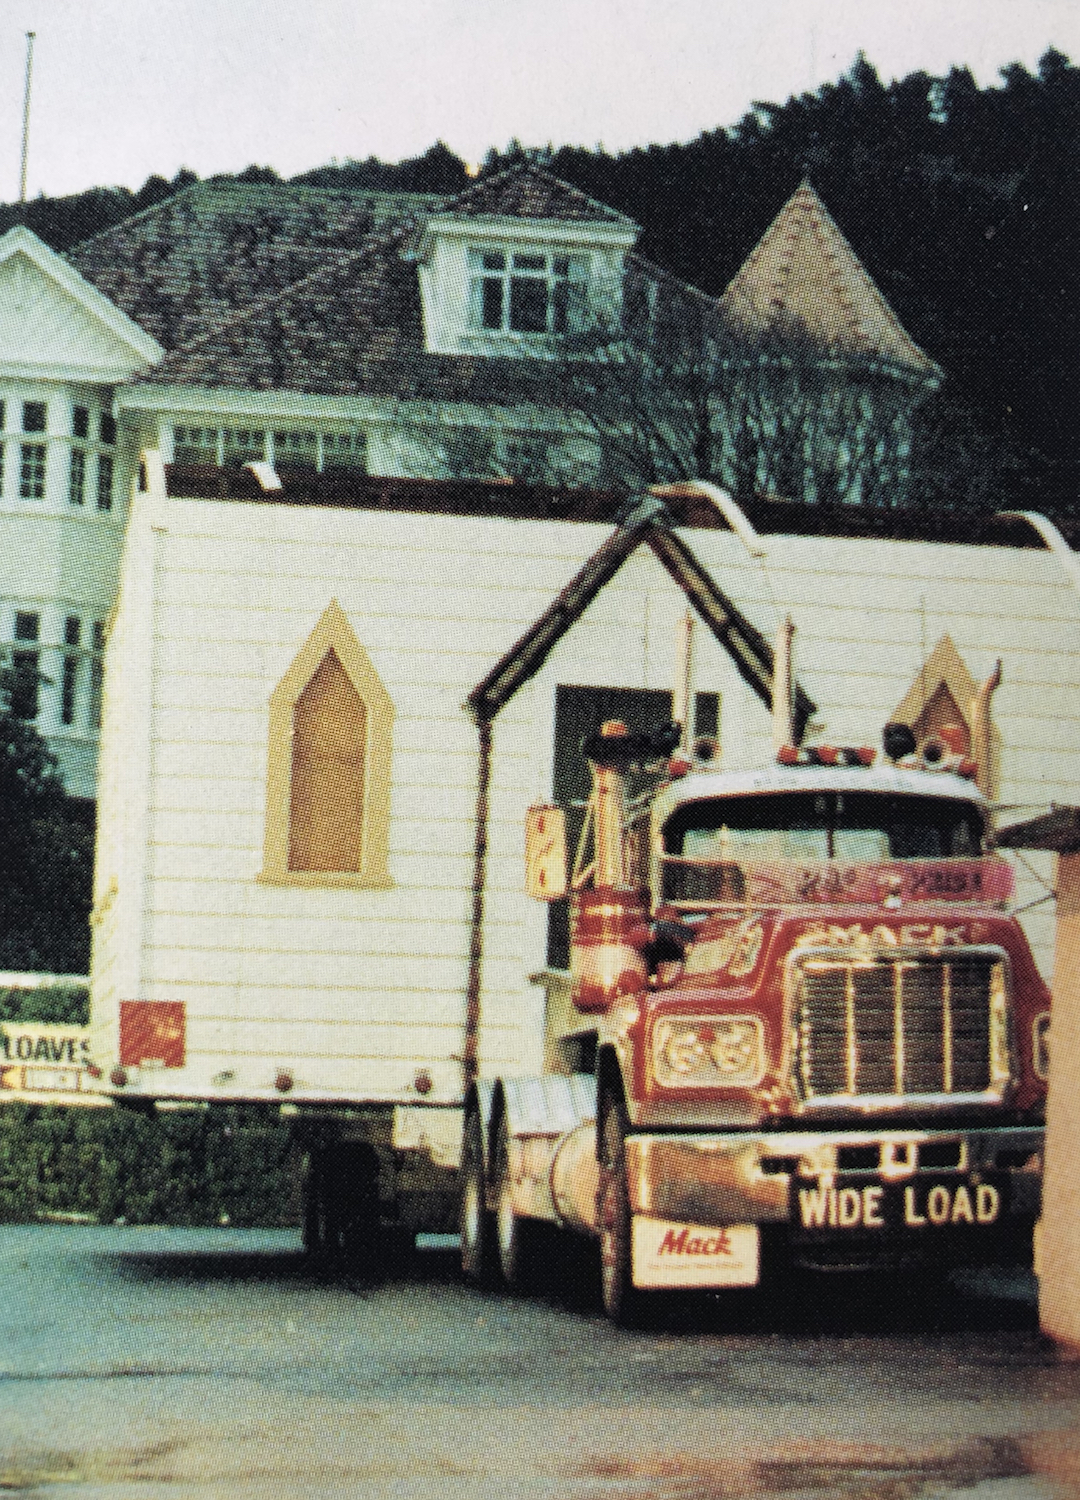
(525,291)
(503,285)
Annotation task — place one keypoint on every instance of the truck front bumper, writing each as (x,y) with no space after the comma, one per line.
(753,1178)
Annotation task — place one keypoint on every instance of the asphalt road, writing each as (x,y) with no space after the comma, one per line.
(150,1363)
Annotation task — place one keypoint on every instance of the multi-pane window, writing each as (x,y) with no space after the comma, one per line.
(97,672)
(77,477)
(195,445)
(25,674)
(343,450)
(34,416)
(80,422)
(296,450)
(32,471)
(70,683)
(108,428)
(244,445)
(104,481)
(517,292)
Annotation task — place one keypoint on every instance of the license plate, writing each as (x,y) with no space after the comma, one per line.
(667,1254)
(64,1080)
(921,1206)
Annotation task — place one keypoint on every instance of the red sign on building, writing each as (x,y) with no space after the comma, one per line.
(152,1032)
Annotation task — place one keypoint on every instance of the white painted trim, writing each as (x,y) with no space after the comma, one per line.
(1053,538)
(156,486)
(193,404)
(486,231)
(32,980)
(57,374)
(732,514)
(22,241)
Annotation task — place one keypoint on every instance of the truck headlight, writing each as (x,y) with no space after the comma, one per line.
(704,1051)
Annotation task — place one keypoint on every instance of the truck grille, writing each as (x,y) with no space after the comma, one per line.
(901,1026)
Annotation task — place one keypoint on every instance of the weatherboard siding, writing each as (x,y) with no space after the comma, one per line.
(356,990)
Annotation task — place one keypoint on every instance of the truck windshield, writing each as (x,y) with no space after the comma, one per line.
(859,827)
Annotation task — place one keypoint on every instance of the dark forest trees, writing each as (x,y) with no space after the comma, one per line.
(959,199)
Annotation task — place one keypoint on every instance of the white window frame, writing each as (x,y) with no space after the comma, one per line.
(317,446)
(501,270)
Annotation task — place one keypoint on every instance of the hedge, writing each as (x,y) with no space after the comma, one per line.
(227,1165)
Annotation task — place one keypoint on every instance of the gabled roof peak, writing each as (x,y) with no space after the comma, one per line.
(527,191)
(803,274)
(20,241)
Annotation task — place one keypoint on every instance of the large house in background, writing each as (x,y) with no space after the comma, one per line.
(312,333)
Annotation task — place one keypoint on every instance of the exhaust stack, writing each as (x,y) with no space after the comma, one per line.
(982,733)
(783,729)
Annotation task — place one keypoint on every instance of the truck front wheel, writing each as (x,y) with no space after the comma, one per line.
(623,1302)
(476,1222)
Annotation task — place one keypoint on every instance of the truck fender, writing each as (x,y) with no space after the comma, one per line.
(541,1115)
(552,1105)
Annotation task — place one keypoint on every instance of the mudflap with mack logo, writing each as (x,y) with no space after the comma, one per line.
(666,1254)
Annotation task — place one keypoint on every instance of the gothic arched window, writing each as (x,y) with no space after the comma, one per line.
(328,773)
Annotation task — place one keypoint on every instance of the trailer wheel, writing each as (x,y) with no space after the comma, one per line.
(623,1302)
(475,1220)
(516,1237)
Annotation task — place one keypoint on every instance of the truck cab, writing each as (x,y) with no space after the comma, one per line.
(816,1031)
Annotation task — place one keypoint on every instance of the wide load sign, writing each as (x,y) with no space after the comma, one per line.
(47,1064)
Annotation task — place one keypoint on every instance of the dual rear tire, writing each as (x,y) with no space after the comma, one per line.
(476,1223)
(496,1244)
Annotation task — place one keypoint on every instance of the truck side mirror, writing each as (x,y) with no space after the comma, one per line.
(545,852)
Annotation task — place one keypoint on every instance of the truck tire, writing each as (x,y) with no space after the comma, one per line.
(623,1302)
(476,1223)
(516,1237)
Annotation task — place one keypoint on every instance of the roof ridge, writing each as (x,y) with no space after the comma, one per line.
(531,169)
(211,185)
(337,260)
(135,218)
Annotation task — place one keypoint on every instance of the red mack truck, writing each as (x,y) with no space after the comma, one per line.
(801,1023)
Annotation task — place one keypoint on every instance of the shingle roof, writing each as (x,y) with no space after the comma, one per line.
(528,192)
(803,275)
(191,262)
(353,325)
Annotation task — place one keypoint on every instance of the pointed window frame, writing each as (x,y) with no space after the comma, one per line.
(944,670)
(332,633)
